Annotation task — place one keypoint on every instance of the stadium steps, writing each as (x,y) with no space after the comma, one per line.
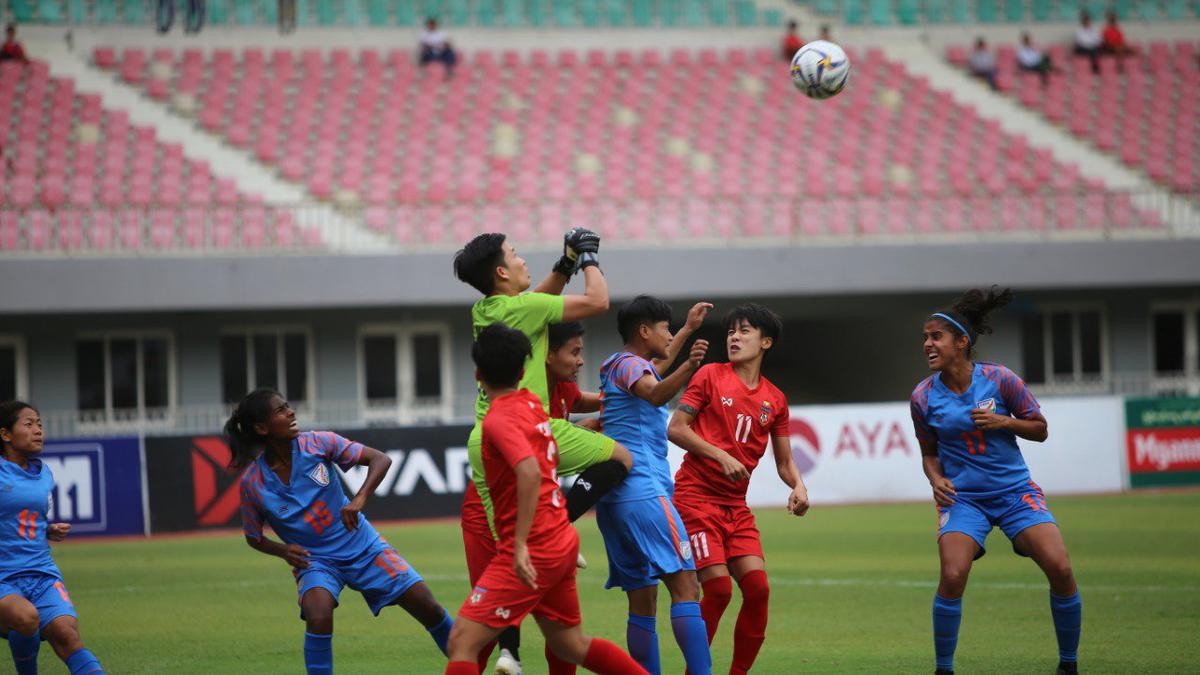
(226,161)
(1014,118)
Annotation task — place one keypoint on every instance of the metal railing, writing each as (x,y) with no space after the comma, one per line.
(314,227)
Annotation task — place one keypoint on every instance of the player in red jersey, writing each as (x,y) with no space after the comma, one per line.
(723,421)
(533,571)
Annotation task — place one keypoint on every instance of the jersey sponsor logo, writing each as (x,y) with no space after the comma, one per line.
(727,402)
(764,413)
(320,475)
(503,612)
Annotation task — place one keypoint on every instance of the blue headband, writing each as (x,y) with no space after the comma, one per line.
(956,324)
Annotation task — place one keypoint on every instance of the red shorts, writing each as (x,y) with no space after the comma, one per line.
(718,532)
(480,547)
(500,599)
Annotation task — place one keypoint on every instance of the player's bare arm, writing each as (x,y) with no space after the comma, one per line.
(377,465)
(943,489)
(594,300)
(589,402)
(1036,429)
(680,432)
(528,481)
(660,392)
(695,319)
(293,554)
(789,473)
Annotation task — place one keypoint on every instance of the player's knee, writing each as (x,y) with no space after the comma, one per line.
(719,590)
(570,646)
(318,605)
(1060,571)
(25,621)
(756,589)
(622,455)
(954,579)
(684,587)
(420,603)
(63,635)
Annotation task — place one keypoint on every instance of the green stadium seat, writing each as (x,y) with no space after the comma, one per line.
(745,13)
(881,12)
(642,13)
(327,13)
(135,11)
(935,11)
(459,13)
(1147,10)
(589,13)
(511,13)
(23,10)
(269,11)
(855,12)
(907,12)
(564,12)
(772,17)
(615,12)
(960,11)
(1068,10)
(670,13)
(826,6)
(1178,9)
(1014,11)
(106,11)
(1041,10)
(485,14)
(405,13)
(77,10)
(245,13)
(535,13)
(50,11)
(377,12)
(216,12)
(1123,8)
(353,12)
(718,12)
(987,11)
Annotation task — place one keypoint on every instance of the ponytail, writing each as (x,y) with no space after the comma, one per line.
(969,314)
(245,443)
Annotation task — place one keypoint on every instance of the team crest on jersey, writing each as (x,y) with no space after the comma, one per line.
(477,595)
(988,404)
(320,475)
(764,413)
(943,518)
(685,550)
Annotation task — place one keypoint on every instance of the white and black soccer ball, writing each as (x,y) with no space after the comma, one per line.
(820,69)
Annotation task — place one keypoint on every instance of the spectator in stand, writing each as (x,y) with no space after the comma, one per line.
(435,46)
(1088,40)
(983,63)
(287,16)
(791,42)
(1114,41)
(1033,60)
(12,50)
(826,35)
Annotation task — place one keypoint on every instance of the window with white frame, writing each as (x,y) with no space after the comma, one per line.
(405,370)
(125,375)
(1175,340)
(279,358)
(1065,346)
(13,383)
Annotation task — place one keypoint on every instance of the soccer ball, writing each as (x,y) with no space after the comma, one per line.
(820,69)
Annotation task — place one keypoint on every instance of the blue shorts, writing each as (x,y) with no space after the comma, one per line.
(380,574)
(46,592)
(645,539)
(1013,512)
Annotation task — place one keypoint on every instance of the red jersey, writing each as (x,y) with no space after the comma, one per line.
(563,399)
(736,419)
(516,427)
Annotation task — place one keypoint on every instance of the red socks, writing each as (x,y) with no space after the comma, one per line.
(557,665)
(605,658)
(462,668)
(751,627)
(717,593)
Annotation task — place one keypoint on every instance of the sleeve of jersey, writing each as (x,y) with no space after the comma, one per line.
(341,451)
(251,516)
(506,437)
(698,392)
(782,419)
(917,407)
(532,312)
(630,371)
(1017,397)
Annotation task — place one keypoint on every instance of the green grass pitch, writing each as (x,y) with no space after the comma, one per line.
(851,593)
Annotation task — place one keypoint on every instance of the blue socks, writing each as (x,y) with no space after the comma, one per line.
(692,637)
(318,654)
(947,615)
(84,662)
(643,642)
(441,632)
(24,652)
(1068,615)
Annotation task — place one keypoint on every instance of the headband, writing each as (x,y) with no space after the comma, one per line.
(956,324)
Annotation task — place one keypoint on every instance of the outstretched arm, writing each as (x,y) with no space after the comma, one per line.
(695,319)
(660,392)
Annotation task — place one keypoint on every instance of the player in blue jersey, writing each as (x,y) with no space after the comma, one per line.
(643,534)
(968,416)
(291,484)
(34,604)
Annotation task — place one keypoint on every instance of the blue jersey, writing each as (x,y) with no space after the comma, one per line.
(25,503)
(977,462)
(307,511)
(635,423)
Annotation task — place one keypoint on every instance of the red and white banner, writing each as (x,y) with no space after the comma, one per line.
(1164,449)
(868,453)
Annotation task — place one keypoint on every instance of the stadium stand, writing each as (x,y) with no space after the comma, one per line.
(381,13)
(985,12)
(77,175)
(1143,111)
(615,138)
